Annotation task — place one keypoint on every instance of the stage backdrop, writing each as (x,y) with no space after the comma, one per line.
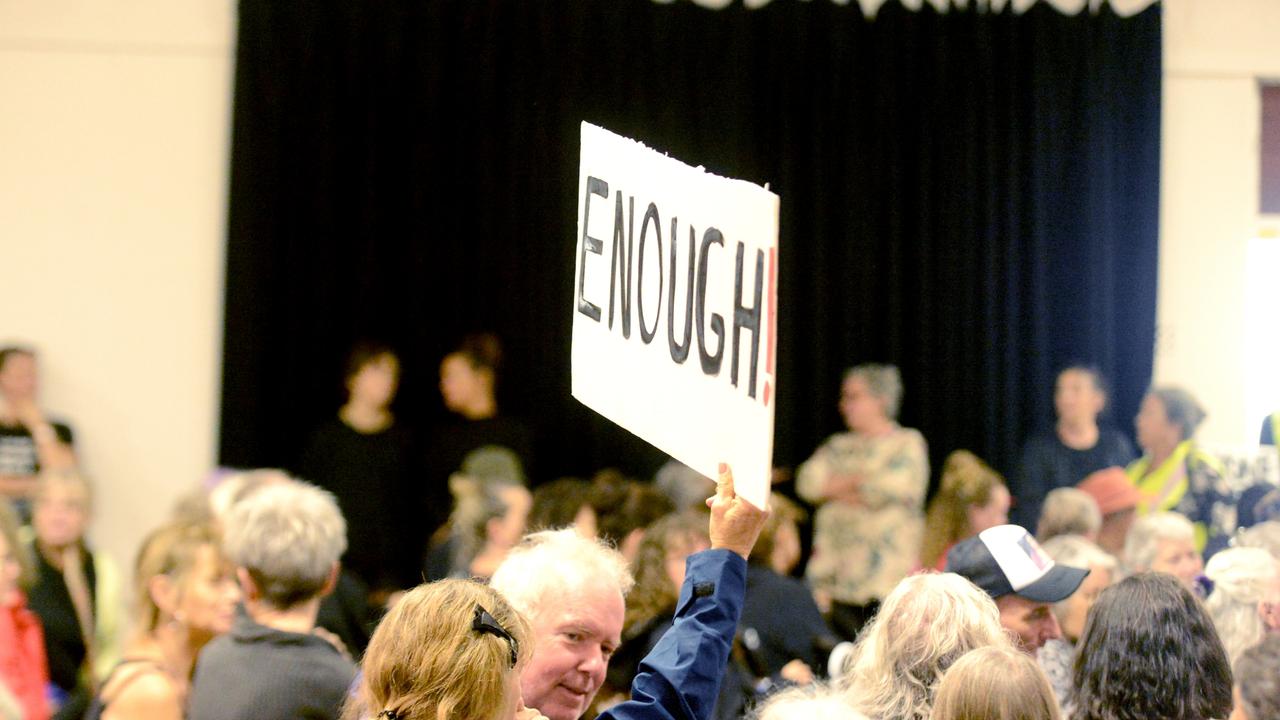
(969,195)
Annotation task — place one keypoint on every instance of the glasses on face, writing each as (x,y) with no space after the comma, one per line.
(484,623)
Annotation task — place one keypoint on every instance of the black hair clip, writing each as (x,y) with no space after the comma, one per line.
(486,623)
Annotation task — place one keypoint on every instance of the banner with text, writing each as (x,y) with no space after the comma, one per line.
(675,307)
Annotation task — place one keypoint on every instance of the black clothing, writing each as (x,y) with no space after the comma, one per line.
(449,445)
(50,600)
(369,475)
(1047,465)
(783,615)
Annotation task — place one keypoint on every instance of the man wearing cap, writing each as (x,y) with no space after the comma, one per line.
(1010,566)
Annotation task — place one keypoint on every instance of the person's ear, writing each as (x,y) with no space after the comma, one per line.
(1270,614)
(331,582)
(247,585)
(164,593)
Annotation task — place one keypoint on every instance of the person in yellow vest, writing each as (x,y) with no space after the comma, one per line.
(1174,474)
(1270,429)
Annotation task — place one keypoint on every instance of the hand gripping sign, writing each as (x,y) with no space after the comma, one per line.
(675,307)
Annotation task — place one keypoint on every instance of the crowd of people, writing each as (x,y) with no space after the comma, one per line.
(1126,585)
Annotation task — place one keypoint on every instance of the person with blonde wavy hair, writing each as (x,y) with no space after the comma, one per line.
(995,683)
(434,655)
(926,624)
(971,498)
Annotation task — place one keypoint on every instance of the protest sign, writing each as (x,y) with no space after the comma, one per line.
(675,307)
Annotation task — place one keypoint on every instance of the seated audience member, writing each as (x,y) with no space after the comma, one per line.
(571,591)
(684,486)
(659,569)
(926,624)
(1008,564)
(869,485)
(1258,503)
(1175,474)
(285,541)
(1164,542)
(563,503)
(1149,650)
(1117,501)
(29,442)
(971,498)
(361,455)
(1056,655)
(349,611)
(1245,600)
(469,388)
(1265,535)
(186,596)
(1257,682)
(809,702)
(487,521)
(1077,446)
(77,592)
(782,629)
(625,508)
(1069,511)
(995,683)
(23,670)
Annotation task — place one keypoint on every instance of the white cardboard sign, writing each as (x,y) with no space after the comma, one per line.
(675,307)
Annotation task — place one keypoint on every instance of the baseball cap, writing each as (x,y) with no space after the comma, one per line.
(1006,559)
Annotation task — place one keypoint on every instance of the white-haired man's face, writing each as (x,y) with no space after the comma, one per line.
(574,633)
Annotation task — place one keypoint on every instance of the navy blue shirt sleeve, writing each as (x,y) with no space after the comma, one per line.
(680,679)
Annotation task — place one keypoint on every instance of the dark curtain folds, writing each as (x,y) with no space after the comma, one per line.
(971,196)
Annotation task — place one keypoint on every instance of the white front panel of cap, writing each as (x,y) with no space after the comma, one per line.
(1017,553)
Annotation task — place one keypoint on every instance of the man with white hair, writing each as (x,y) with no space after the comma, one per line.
(571,590)
(284,540)
(1245,601)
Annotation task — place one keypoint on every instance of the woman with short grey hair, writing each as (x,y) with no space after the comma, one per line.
(1069,511)
(1176,474)
(1164,542)
(869,485)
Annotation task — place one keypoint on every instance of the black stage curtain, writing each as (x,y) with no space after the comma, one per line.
(969,195)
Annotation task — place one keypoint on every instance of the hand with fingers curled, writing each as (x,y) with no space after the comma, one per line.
(735,523)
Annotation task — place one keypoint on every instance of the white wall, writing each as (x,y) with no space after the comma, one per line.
(1215,52)
(113,182)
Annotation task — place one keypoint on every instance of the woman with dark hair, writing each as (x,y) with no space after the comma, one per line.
(360,455)
(1075,447)
(1149,650)
(469,387)
(1175,474)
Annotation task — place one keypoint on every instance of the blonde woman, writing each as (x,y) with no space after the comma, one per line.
(995,683)
(926,624)
(186,597)
(971,498)
(450,649)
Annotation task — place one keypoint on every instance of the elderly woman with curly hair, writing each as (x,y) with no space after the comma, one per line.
(926,624)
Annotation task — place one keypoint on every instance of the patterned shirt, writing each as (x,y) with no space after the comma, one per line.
(861,551)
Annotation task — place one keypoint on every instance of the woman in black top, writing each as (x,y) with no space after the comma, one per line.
(1076,447)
